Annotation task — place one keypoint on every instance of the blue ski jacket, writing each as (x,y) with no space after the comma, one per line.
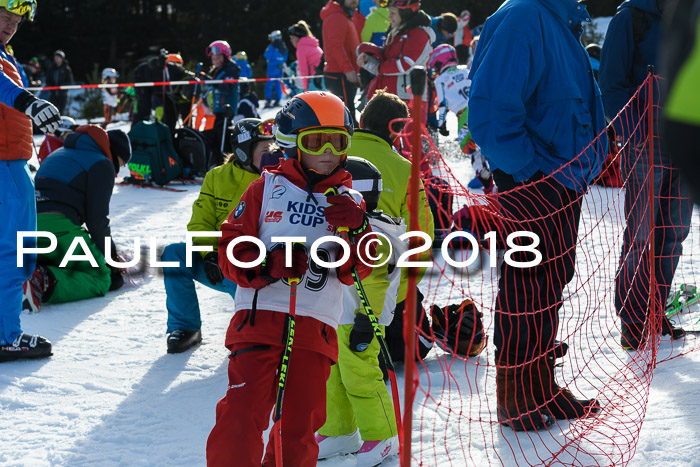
(77,181)
(276,58)
(534,104)
(623,62)
(224,94)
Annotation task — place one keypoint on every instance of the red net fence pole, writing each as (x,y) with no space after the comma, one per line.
(636,243)
(418,77)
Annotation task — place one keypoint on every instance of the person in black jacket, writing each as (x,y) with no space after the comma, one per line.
(59,74)
(174,100)
(74,187)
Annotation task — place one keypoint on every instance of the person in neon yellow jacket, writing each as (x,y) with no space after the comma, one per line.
(373,141)
(681,122)
(221,192)
(359,414)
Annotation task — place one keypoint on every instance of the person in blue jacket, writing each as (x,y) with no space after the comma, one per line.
(19,109)
(276,56)
(241,59)
(74,188)
(534,125)
(223,94)
(445,27)
(631,44)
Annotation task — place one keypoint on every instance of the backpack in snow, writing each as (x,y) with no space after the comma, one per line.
(153,157)
(194,151)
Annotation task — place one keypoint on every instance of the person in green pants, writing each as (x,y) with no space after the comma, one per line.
(359,415)
(359,412)
(74,188)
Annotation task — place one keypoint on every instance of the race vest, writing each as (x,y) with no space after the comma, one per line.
(452,86)
(287,211)
(15,127)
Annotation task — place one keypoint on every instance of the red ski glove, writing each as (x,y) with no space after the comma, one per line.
(275,264)
(345,212)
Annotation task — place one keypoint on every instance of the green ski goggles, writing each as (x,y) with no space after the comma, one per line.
(315,141)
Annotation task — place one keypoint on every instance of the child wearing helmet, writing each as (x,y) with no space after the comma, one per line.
(360,414)
(223,94)
(313,130)
(221,191)
(452,86)
(110,96)
(276,55)
(241,59)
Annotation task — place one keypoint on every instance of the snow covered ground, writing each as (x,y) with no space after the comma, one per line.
(111,395)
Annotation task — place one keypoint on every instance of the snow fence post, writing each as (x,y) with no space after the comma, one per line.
(418,77)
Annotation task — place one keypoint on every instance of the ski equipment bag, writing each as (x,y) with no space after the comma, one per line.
(153,157)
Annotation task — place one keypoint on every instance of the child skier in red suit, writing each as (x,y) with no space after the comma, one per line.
(314,129)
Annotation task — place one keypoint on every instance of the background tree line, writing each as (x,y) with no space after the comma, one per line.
(110,33)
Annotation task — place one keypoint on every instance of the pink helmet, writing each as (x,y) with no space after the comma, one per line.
(442,56)
(219,48)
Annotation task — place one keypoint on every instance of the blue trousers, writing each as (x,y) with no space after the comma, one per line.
(273,89)
(181,301)
(670,216)
(17,212)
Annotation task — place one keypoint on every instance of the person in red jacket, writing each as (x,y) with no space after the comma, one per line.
(340,40)
(55,141)
(314,130)
(407,45)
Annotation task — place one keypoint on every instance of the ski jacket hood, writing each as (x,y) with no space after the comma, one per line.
(96,134)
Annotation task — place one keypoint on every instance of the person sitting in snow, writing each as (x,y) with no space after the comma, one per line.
(221,191)
(74,187)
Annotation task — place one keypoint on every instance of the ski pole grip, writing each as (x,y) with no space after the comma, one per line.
(332,191)
(418,77)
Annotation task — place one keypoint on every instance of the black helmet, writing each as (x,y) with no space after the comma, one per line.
(244,134)
(367,179)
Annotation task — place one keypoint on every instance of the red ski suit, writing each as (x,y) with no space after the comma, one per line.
(256,339)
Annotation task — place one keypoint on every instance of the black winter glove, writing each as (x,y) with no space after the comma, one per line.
(43,113)
(361,334)
(212,269)
(443,130)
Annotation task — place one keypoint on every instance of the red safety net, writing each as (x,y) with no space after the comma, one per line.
(559,322)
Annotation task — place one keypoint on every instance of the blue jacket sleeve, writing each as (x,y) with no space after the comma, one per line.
(8,90)
(499,97)
(616,62)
